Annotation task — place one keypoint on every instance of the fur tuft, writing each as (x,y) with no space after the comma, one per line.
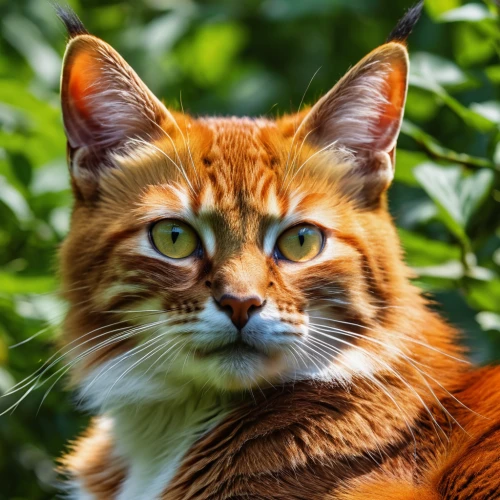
(403,29)
(73,24)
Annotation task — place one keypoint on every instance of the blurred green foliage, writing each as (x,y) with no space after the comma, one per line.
(252,57)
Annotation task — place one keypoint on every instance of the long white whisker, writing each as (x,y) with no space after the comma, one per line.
(387,366)
(400,353)
(374,381)
(400,335)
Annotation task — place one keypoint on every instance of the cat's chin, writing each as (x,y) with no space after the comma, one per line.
(238,367)
(235,367)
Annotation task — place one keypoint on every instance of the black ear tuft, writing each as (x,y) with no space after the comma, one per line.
(405,25)
(72,22)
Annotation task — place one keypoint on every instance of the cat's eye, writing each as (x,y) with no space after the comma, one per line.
(174,239)
(300,243)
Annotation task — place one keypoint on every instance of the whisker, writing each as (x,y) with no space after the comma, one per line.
(399,335)
(179,168)
(401,354)
(387,366)
(373,380)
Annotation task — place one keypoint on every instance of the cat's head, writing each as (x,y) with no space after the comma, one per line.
(227,253)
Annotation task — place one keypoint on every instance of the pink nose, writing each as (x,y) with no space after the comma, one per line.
(239,308)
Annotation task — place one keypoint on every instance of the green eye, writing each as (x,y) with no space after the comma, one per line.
(174,239)
(300,243)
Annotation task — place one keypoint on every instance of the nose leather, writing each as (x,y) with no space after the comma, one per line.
(239,308)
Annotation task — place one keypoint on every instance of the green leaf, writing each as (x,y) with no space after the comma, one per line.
(432,73)
(471,46)
(438,151)
(470,13)
(406,161)
(21,167)
(485,295)
(457,196)
(422,251)
(452,270)
(441,184)
(287,10)
(473,191)
(51,178)
(471,118)
(16,284)
(493,73)
(489,109)
(209,56)
(428,69)
(14,200)
(488,320)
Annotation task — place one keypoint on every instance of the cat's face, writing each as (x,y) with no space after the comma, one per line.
(227,253)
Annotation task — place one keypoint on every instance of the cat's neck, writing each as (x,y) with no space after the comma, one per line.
(152,439)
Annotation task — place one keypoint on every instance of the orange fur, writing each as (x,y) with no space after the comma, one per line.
(401,415)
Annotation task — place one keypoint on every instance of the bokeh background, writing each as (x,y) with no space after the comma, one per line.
(243,57)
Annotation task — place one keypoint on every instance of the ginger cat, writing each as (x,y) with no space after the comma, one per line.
(241,319)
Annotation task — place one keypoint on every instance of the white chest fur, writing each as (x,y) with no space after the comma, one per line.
(154,439)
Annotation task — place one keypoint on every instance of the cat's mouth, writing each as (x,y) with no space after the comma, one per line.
(234,348)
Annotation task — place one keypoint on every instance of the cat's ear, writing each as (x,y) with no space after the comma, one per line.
(104,104)
(362,115)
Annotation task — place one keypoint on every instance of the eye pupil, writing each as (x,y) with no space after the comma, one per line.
(301,239)
(175,234)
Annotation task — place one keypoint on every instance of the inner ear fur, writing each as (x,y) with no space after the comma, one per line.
(362,115)
(104,104)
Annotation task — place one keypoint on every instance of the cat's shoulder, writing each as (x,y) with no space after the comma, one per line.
(91,468)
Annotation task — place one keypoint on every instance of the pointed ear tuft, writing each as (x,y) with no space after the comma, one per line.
(403,29)
(104,103)
(72,22)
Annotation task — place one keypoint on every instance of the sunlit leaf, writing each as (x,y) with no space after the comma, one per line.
(14,200)
(451,270)
(490,110)
(52,177)
(209,55)
(426,69)
(488,320)
(163,32)
(406,161)
(17,284)
(458,196)
(432,74)
(471,12)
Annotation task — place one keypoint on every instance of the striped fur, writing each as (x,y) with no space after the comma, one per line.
(342,385)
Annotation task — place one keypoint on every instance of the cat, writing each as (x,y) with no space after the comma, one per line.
(241,320)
